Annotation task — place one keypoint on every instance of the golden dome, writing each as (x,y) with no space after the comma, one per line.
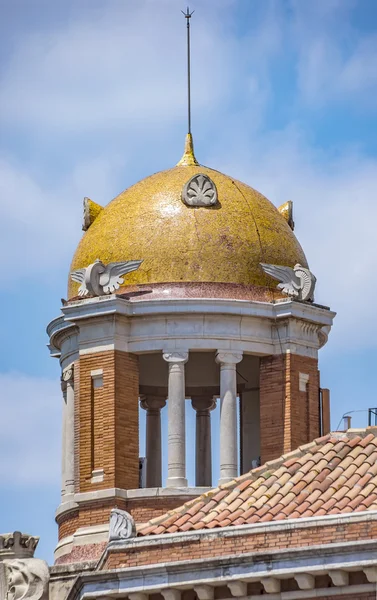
(223,243)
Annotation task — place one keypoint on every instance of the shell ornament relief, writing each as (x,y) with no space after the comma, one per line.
(200,190)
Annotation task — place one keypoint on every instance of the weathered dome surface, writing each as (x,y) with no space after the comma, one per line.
(223,243)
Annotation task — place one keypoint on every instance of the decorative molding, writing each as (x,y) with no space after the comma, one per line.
(203,404)
(171,594)
(24,579)
(99,279)
(137,596)
(323,335)
(305,581)
(339,578)
(175,357)
(371,574)
(200,190)
(298,283)
(98,475)
(228,358)
(112,322)
(238,588)
(204,592)
(122,525)
(152,403)
(271,585)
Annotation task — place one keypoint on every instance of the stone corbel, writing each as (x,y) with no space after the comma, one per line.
(24,579)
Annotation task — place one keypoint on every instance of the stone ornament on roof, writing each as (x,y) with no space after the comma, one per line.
(122,525)
(200,190)
(298,283)
(99,279)
(17,545)
(24,579)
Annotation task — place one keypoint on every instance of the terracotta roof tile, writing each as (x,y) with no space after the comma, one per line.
(335,474)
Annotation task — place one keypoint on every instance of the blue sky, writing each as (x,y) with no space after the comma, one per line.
(92,99)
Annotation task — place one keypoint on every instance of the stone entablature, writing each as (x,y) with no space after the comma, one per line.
(114,323)
(115,352)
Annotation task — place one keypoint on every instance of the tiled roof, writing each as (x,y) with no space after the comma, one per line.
(334,474)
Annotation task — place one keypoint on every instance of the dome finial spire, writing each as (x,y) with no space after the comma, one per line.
(188,159)
(188,16)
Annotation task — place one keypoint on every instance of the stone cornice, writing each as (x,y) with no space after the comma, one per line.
(243,530)
(106,305)
(279,564)
(111,322)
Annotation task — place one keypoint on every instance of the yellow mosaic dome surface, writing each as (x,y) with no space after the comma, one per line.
(223,243)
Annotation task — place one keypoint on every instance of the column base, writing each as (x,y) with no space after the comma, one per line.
(176,482)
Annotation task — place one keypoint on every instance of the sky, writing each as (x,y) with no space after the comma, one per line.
(93,99)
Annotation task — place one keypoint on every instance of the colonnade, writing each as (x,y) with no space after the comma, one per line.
(177,428)
(202,404)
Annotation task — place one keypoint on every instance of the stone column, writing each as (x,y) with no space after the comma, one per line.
(203,458)
(228,415)
(153,406)
(69,431)
(176,419)
(249,430)
(64,418)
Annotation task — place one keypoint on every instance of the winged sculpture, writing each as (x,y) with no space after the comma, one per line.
(99,279)
(298,282)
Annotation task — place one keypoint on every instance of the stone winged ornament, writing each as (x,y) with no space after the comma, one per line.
(299,282)
(98,279)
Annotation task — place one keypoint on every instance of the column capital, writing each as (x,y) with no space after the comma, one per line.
(229,358)
(203,403)
(175,357)
(152,402)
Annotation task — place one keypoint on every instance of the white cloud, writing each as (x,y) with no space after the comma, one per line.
(30,441)
(336,62)
(41,222)
(122,65)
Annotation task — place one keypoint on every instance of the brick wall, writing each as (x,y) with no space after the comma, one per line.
(107,428)
(196,548)
(288,417)
(98,512)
